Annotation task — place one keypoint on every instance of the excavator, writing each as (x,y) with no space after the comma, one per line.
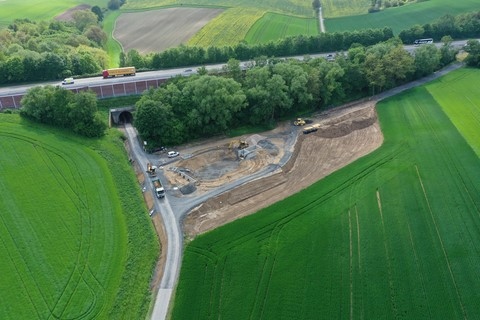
(299,122)
(238,144)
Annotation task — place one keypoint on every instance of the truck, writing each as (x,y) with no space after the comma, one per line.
(115,72)
(159,190)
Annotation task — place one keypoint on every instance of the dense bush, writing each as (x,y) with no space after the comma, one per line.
(62,108)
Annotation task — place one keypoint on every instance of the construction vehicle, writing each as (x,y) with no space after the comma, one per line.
(238,144)
(159,190)
(299,122)
(115,72)
(311,128)
(151,170)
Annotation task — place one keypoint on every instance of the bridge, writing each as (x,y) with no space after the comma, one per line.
(105,90)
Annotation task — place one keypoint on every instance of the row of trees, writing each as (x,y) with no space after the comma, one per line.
(31,51)
(297,45)
(462,26)
(204,105)
(62,108)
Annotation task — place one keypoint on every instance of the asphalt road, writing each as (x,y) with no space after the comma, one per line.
(161,74)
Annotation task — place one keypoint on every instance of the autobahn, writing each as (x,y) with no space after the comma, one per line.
(94,82)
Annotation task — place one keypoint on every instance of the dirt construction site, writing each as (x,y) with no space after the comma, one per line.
(297,161)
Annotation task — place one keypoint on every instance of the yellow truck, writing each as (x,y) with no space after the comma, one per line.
(115,72)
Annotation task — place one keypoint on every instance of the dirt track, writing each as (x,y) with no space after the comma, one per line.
(345,135)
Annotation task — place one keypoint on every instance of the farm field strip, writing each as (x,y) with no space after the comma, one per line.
(449,95)
(272,27)
(294,7)
(337,8)
(401,18)
(228,28)
(395,234)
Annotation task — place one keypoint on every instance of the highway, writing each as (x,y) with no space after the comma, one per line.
(163,74)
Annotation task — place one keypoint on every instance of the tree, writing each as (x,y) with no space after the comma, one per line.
(296,80)
(213,101)
(84,18)
(473,49)
(98,12)
(427,60)
(447,51)
(156,122)
(316,5)
(96,34)
(233,70)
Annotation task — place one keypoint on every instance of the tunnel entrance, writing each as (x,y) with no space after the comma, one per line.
(125,117)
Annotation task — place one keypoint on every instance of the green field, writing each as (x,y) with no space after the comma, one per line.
(39,9)
(461,102)
(402,18)
(274,26)
(76,240)
(337,8)
(394,235)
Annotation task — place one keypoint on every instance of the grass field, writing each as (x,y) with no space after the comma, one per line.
(394,235)
(75,243)
(274,26)
(39,9)
(461,102)
(402,17)
(337,8)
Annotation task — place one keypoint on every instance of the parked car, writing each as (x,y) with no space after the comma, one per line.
(172,154)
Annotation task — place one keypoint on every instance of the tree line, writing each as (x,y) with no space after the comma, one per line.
(62,108)
(462,26)
(203,105)
(290,46)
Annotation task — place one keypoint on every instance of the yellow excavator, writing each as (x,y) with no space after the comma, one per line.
(238,144)
(299,122)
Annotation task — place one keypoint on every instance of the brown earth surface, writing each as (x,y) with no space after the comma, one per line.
(345,135)
(68,15)
(158,30)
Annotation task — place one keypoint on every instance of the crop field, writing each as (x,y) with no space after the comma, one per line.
(338,8)
(394,235)
(140,30)
(64,234)
(457,94)
(228,28)
(401,18)
(38,9)
(294,7)
(274,26)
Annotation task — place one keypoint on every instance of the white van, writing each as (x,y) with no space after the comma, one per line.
(68,81)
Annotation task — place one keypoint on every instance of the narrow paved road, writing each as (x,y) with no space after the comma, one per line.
(320,20)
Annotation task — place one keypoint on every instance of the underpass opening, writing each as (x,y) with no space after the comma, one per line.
(125,117)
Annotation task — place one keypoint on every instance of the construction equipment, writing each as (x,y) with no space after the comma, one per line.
(238,144)
(299,122)
(151,170)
